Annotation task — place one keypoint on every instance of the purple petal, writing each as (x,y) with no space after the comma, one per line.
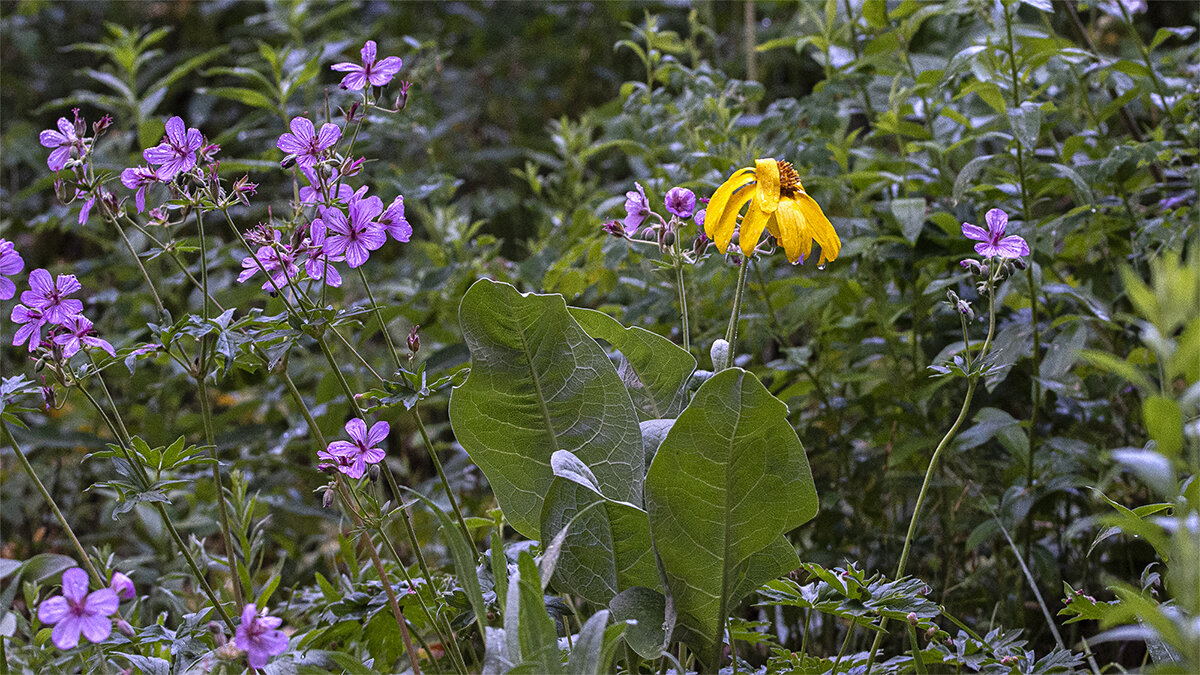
(356,469)
(379,432)
(356,254)
(330,133)
(373,236)
(103,602)
(66,128)
(40,283)
(96,628)
(75,584)
(1012,247)
(194,140)
(68,284)
(53,610)
(7,288)
(58,159)
(159,154)
(303,129)
(102,344)
(368,53)
(372,456)
(343,448)
(974,232)
(248,614)
(69,343)
(176,130)
(31,332)
(997,221)
(389,66)
(332,276)
(357,429)
(66,634)
(354,81)
(290,144)
(139,198)
(986,249)
(344,67)
(362,210)
(52,139)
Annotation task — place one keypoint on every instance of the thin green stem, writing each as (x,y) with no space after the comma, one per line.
(379,316)
(845,644)
(231,556)
(146,275)
(405,516)
(437,463)
(683,307)
(735,314)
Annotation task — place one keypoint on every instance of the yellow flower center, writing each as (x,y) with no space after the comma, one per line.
(789,178)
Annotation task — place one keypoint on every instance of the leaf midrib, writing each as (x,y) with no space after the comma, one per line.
(537,385)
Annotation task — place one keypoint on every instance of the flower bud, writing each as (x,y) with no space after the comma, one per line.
(100,126)
(614,228)
(352,113)
(964,308)
(123,586)
(719,352)
(402,98)
(702,240)
(912,618)
(414,340)
(327,497)
(373,473)
(287,161)
(931,633)
(669,239)
(124,627)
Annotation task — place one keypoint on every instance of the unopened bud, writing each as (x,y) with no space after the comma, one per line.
(964,308)
(719,352)
(414,340)
(402,98)
(125,628)
(287,161)
(80,123)
(614,228)
(701,243)
(102,124)
(352,167)
(1020,263)
(352,113)
(669,239)
(327,498)
(931,633)
(912,618)
(373,473)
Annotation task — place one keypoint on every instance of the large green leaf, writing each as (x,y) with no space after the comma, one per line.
(607,547)
(728,480)
(654,369)
(538,384)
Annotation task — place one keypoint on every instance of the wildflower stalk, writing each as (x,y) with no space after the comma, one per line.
(379,316)
(972,381)
(683,308)
(112,218)
(123,442)
(209,436)
(1035,383)
(735,315)
(383,577)
(437,463)
(58,514)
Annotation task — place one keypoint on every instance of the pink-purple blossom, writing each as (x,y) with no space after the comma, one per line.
(681,202)
(377,73)
(139,178)
(992,242)
(276,259)
(177,152)
(78,612)
(123,586)
(62,141)
(10,263)
(354,237)
(637,208)
(394,221)
(352,457)
(31,321)
(50,296)
(318,264)
(259,637)
(306,143)
(79,332)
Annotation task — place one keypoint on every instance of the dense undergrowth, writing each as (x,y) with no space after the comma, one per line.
(599,338)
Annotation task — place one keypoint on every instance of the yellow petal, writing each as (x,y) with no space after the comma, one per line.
(767,194)
(752,227)
(721,216)
(793,231)
(820,227)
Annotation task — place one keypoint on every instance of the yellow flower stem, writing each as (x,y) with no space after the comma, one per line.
(731,331)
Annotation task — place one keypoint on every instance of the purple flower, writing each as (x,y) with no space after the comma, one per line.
(62,141)
(77,611)
(306,143)
(10,263)
(394,221)
(356,237)
(138,178)
(699,218)
(87,205)
(378,74)
(637,207)
(258,637)
(31,328)
(993,243)
(361,451)
(177,152)
(318,264)
(123,586)
(79,333)
(50,296)
(278,263)
(311,194)
(681,202)
(614,228)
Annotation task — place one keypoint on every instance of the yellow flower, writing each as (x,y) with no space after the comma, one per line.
(778,204)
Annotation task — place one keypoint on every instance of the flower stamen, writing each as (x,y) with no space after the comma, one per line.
(789,178)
